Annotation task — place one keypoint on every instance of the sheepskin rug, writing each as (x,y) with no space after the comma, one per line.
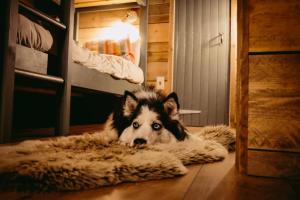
(93,160)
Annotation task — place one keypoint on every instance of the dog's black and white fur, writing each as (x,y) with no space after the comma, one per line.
(148,117)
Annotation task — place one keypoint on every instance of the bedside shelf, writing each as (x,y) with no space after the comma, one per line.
(42,15)
(49,78)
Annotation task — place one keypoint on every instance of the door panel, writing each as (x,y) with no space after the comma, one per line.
(202,59)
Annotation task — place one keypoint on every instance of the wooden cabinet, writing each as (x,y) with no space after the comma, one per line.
(268,120)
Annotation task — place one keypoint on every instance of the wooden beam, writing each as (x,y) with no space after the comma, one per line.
(233,64)
(93,3)
(108,7)
(242,86)
(7,72)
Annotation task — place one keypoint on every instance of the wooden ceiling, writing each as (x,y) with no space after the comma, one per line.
(89,3)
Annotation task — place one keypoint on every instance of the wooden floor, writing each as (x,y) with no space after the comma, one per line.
(209,181)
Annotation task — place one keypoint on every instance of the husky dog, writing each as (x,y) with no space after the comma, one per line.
(148,117)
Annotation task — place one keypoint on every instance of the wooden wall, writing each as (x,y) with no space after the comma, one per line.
(160,42)
(269,76)
(91,23)
(160,36)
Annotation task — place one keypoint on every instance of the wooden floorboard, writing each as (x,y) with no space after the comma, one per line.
(209,177)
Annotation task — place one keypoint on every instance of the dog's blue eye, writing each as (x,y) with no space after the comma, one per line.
(135,125)
(156,126)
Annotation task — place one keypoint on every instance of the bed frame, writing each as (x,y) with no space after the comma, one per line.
(69,73)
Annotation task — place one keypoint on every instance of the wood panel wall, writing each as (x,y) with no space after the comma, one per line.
(90,24)
(160,42)
(269,101)
(160,36)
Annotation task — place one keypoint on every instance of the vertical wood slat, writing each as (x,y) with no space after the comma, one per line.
(9,38)
(242,86)
(233,63)
(64,95)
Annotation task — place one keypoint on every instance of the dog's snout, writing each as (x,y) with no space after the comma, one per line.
(138,141)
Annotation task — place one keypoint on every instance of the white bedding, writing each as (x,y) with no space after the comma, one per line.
(110,64)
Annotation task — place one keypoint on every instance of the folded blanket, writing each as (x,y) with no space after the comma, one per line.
(33,35)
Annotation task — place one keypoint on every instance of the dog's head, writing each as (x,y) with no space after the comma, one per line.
(149,117)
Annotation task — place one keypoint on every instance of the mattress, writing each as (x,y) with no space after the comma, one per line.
(116,66)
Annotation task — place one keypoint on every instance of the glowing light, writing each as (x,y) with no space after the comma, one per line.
(119,31)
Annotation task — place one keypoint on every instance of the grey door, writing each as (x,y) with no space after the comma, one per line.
(201,61)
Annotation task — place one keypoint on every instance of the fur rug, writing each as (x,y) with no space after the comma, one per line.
(92,160)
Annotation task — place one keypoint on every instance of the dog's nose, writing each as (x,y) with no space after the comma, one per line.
(139,141)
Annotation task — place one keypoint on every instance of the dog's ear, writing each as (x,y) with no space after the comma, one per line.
(171,105)
(130,103)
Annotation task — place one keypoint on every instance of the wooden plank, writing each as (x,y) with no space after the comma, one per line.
(276,75)
(274,134)
(265,35)
(236,186)
(209,177)
(159,9)
(274,102)
(274,164)
(158,47)
(7,78)
(158,32)
(242,86)
(157,69)
(154,2)
(91,3)
(158,56)
(233,64)
(101,19)
(156,19)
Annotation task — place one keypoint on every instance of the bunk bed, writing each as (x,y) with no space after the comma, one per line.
(63,74)
(84,77)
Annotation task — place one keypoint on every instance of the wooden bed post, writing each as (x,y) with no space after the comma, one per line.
(144,38)
(7,73)
(64,94)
